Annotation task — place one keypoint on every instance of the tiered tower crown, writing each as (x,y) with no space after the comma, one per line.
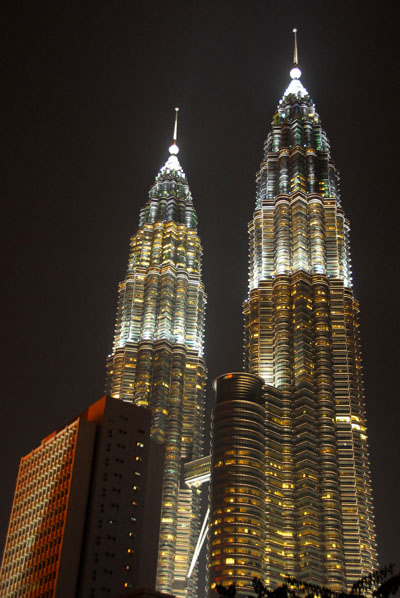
(169,197)
(298,187)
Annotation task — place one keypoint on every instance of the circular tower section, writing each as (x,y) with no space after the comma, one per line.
(237,490)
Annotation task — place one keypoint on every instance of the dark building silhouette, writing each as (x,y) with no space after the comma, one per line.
(122,528)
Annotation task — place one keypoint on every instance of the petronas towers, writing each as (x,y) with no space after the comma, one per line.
(301,337)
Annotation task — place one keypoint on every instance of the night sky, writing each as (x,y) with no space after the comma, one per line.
(89,91)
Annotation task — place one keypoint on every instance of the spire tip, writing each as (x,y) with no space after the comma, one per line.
(295,56)
(295,73)
(174,149)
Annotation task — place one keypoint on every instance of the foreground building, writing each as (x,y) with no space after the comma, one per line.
(120,543)
(157,359)
(302,337)
(86,510)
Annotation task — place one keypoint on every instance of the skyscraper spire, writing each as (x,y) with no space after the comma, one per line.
(295,57)
(295,87)
(174,149)
(295,72)
(172,164)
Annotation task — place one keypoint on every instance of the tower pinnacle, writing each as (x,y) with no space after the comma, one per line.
(174,149)
(172,164)
(295,57)
(295,73)
(295,88)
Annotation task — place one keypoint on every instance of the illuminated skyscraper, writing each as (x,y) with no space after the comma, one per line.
(157,359)
(302,338)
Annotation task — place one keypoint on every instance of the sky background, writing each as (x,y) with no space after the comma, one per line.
(89,91)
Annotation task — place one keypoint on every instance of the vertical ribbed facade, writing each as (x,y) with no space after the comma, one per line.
(157,359)
(32,553)
(236,536)
(302,337)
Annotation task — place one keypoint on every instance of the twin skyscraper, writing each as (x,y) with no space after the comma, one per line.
(158,356)
(295,497)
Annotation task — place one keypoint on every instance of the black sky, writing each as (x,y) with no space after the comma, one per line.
(87,114)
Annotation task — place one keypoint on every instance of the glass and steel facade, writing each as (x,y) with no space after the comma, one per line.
(157,359)
(302,337)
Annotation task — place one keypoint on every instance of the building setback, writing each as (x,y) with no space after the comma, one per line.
(302,338)
(157,358)
(85,514)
